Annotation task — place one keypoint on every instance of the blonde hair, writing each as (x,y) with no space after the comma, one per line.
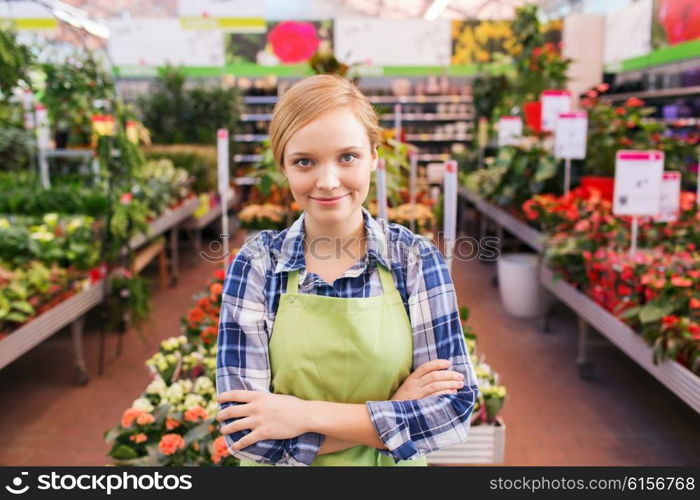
(311,97)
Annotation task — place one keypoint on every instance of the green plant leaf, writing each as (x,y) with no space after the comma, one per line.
(123,452)
(651,312)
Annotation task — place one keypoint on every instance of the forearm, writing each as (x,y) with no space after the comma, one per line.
(331,445)
(345,422)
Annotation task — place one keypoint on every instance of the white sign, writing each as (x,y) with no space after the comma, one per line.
(435,172)
(554,102)
(510,130)
(382,211)
(638,176)
(222,161)
(670,197)
(450,208)
(628,31)
(43,132)
(570,133)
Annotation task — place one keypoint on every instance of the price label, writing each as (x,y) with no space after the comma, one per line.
(222,160)
(570,133)
(638,177)
(670,197)
(510,130)
(554,102)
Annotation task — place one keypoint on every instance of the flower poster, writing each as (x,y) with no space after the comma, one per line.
(285,42)
(675,21)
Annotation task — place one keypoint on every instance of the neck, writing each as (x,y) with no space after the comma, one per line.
(348,233)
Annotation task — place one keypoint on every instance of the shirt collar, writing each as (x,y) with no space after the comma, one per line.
(290,254)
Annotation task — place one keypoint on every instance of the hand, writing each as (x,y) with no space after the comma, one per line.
(268,416)
(429,379)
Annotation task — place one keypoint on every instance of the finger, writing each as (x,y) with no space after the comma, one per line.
(233,412)
(439,393)
(440,375)
(238,425)
(441,386)
(246,441)
(239,396)
(436,364)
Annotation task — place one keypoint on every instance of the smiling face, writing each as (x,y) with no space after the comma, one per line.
(328,164)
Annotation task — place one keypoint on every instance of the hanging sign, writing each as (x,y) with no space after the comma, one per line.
(510,130)
(670,197)
(554,102)
(570,133)
(638,177)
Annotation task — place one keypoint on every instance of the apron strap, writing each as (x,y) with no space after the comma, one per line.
(293,282)
(386,278)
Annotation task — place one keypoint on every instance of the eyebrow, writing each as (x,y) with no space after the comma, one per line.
(304,153)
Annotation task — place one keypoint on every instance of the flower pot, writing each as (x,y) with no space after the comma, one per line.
(519,285)
(533,115)
(485,444)
(603,184)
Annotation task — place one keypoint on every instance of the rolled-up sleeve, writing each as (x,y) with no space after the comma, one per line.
(417,427)
(242,360)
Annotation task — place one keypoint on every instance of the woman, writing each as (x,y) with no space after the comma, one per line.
(337,333)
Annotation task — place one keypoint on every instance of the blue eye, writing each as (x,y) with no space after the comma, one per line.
(348,157)
(300,164)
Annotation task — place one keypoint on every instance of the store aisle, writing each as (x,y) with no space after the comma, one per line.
(623,417)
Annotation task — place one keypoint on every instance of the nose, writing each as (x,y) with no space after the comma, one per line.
(328,179)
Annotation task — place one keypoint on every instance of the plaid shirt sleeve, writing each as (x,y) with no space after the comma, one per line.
(417,427)
(242,360)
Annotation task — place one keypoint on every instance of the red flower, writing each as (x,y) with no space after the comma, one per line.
(602,87)
(694,303)
(620,111)
(530,213)
(624,291)
(208,335)
(195,316)
(625,141)
(681,281)
(634,102)
(126,198)
(670,320)
(220,274)
(293,42)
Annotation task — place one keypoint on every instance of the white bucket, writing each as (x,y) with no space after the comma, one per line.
(519,284)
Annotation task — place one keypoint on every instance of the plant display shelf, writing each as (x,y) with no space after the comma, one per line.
(503,220)
(652,94)
(676,377)
(194,225)
(70,311)
(171,220)
(485,444)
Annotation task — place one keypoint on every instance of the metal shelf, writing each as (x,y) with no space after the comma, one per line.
(246,181)
(260,99)
(247,158)
(428,99)
(677,378)
(45,325)
(166,221)
(253,117)
(438,137)
(525,233)
(651,94)
(250,137)
(428,117)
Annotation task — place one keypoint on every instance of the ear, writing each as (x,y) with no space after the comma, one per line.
(375,158)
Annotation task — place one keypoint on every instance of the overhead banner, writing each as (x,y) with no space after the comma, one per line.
(628,32)
(393,42)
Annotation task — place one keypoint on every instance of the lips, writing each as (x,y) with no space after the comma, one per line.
(331,199)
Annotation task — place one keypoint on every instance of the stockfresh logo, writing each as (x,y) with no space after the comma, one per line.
(16,488)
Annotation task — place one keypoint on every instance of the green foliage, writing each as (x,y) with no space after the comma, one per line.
(15,62)
(72,86)
(17,147)
(199,161)
(129,300)
(176,114)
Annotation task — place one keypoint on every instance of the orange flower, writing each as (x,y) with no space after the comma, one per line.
(171,423)
(129,416)
(145,419)
(171,443)
(195,316)
(138,438)
(215,291)
(196,413)
(220,450)
(209,334)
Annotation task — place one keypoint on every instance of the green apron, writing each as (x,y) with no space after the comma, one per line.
(344,351)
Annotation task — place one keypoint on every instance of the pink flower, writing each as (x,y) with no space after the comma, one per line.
(681,281)
(196,413)
(293,42)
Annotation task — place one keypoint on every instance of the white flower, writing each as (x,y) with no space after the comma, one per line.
(4,223)
(192,400)
(74,224)
(43,236)
(156,387)
(203,385)
(174,394)
(142,404)
(212,407)
(51,219)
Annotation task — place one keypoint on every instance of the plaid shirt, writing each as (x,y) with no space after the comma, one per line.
(258,276)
